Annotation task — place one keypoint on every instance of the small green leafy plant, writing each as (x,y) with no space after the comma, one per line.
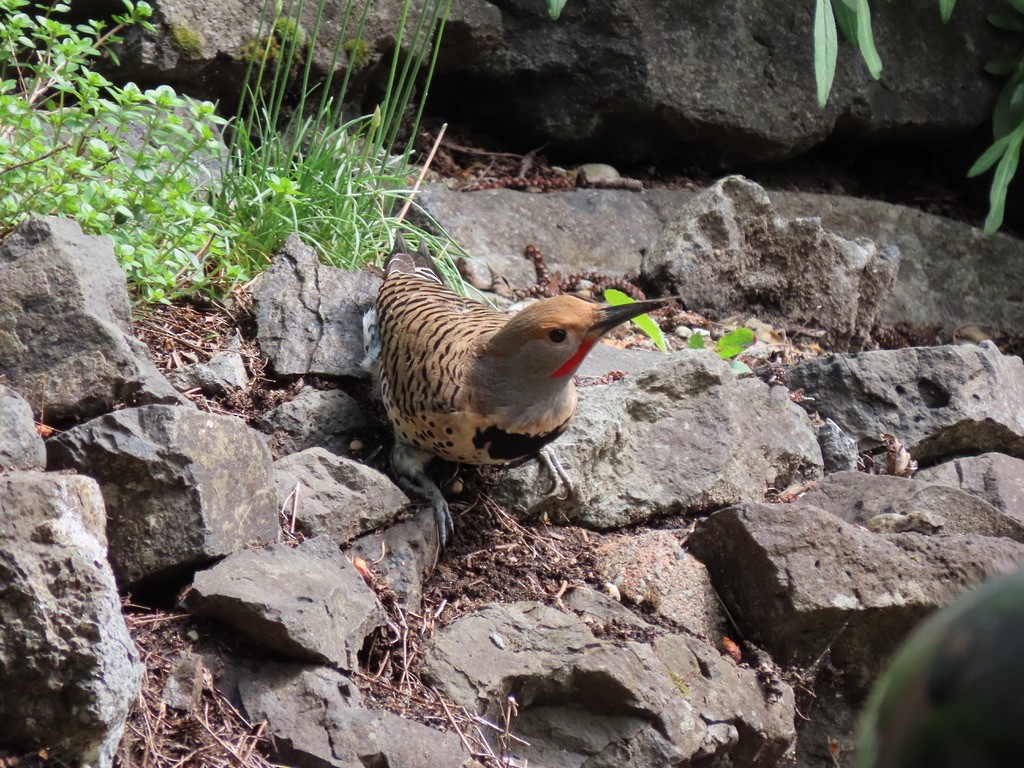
(644,322)
(729,347)
(123,162)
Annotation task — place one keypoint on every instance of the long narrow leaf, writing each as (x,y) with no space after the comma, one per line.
(1001,181)
(1005,117)
(866,40)
(946,9)
(555,8)
(1008,21)
(846,19)
(1018,5)
(826,49)
(643,322)
(989,157)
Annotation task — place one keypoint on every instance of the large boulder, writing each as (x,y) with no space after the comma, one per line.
(68,668)
(687,436)
(182,487)
(309,317)
(994,477)
(65,325)
(307,602)
(939,401)
(729,251)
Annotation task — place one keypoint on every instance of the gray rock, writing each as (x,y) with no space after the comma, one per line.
(994,477)
(858,498)
(595,607)
(68,668)
(799,580)
(184,685)
(625,81)
(314,419)
(939,401)
(605,358)
(65,325)
(309,317)
(729,251)
(951,274)
(315,719)
(403,554)
(685,437)
(307,602)
(337,497)
(584,701)
(653,570)
(182,487)
(580,700)
(223,373)
(758,725)
(838,449)
(21,447)
(579,231)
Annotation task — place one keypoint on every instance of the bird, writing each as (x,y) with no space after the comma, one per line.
(952,695)
(463,382)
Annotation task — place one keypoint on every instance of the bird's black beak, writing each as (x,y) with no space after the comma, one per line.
(609,317)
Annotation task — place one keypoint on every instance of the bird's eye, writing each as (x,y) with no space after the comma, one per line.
(557,335)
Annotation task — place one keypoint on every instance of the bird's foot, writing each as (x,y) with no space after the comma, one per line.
(548,459)
(425,487)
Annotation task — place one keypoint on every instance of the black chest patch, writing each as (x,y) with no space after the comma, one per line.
(509,446)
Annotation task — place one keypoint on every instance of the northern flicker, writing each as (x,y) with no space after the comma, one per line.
(462,382)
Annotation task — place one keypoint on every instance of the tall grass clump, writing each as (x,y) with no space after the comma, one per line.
(297,162)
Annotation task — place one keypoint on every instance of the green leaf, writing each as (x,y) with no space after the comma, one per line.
(739,368)
(555,8)
(1001,181)
(643,322)
(989,157)
(846,19)
(946,9)
(826,49)
(1008,21)
(734,342)
(1006,115)
(866,39)
(1018,5)
(697,340)
(1003,66)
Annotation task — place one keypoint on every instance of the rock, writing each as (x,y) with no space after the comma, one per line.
(315,719)
(629,82)
(605,358)
(402,554)
(314,419)
(685,437)
(223,373)
(21,447)
(858,498)
(799,580)
(182,487)
(951,274)
(584,701)
(69,670)
(585,230)
(337,497)
(729,251)
(65,325)
(597,610)
(654,571)
(939,401)
(306,602)
(184,685)
(994,477)
(757,724)
(838,449)
(309,317)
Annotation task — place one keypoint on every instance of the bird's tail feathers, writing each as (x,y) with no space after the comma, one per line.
(421,262)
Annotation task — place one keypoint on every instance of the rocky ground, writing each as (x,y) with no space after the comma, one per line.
(741,556)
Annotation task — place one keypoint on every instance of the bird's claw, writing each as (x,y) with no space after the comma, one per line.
(559,477)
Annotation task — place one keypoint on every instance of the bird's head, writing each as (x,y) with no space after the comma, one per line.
(551,337)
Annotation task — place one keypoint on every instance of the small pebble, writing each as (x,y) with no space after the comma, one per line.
(498,640)
(683,332)
(355,445)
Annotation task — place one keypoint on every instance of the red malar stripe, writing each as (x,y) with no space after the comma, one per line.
(570,365)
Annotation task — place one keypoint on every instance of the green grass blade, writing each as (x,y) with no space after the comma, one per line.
(643,322)
(866,40)
(946,9)
(846,19)
(826,49)
(555,8)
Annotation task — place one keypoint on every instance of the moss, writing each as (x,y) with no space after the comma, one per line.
(283,35)
(288,32)
(186,41)
(358,52)
(680,684)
